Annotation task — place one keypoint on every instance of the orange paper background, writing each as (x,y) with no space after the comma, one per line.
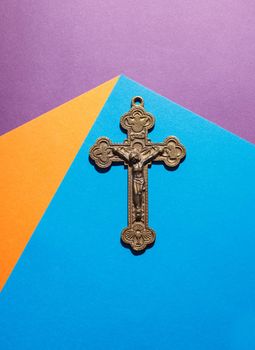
(35,158)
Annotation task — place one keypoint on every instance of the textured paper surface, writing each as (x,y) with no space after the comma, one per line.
(77,287)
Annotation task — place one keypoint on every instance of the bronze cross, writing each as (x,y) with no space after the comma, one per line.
(137,153)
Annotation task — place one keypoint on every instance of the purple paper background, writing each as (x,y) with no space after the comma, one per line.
(199,53)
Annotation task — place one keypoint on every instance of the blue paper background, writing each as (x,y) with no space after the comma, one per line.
(77,287)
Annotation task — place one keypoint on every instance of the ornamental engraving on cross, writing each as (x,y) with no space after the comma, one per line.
(137,153)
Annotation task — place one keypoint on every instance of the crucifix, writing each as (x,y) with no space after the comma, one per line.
(137,152)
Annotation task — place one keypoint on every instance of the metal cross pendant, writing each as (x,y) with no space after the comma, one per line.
(137,153)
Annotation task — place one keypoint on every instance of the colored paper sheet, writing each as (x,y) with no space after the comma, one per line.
(199,53)
(77,287)
(34,159)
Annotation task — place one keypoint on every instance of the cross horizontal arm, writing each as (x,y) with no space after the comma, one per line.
(104,152)
(170,152)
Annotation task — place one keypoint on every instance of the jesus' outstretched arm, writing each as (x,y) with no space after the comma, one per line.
(122,153)
(153,153)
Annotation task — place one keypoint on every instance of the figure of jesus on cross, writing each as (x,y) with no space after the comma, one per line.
(137,162)
(137,152)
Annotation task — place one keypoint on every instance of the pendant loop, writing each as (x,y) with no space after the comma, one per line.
(137,101)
